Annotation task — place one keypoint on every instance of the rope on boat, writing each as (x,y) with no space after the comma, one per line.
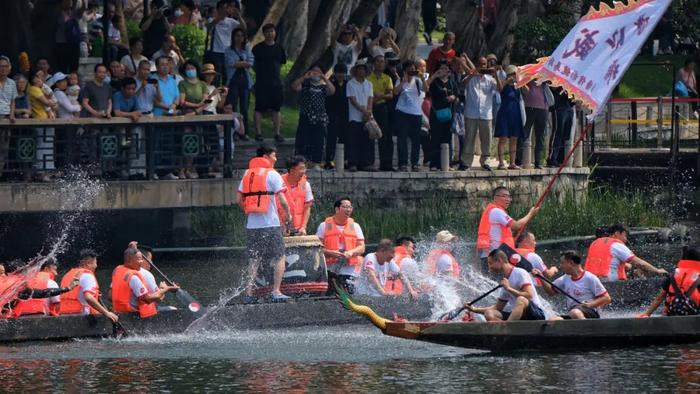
(364,310)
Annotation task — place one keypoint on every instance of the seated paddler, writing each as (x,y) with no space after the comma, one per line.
(379,270)
(85,298)
(680,292)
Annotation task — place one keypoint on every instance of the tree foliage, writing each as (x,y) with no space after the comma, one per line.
(190,39)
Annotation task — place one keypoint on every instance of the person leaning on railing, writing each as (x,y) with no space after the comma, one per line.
(166,104)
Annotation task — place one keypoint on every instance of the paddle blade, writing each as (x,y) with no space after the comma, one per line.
(451,315)
(522,263)
(188,301)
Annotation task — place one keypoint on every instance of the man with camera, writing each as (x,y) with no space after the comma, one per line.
(155,27)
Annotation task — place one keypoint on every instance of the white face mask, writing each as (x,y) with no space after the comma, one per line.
(178,12)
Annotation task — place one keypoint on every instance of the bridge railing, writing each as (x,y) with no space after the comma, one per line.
(117,148)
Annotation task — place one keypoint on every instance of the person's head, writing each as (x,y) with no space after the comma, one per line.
(269,32)
(409,67)
(448,40)
(36,78)
(498,261)
(73,79)
(602,231)
(238,38)
(190,69)
(421,66)
(42,63)
(147,253)
(385,251)
(169,43)
(407,242)
(482,63)
(222,8)
(50,266)
(116,69)
(316,73)
(5,67)
(458,65)
(110,11)
(268,152)
(346,35)
(527,240)
(156,5)
(128,87)
(360,71)
(59,81)
(689,64)
(136,46)
(21,82)
(144,69)
(339,71)
(491,60)
(343,207)
(570,262)
(88,259)
(379,64)
(512,72)
(296,167)
(445,239)
(186,8)
(443,67)
(619,231)
(100,73)
(502,197)
(163,65)
(133,258)
(208,73)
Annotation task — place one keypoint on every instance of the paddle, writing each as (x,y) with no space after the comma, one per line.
(118,330)
(183,296)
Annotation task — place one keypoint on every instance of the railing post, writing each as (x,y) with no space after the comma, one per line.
(527,150)
(578,153)
(635,118)
(228,150)
(660,122)
(150,134)
(445,157)
(608,125)
(340,159)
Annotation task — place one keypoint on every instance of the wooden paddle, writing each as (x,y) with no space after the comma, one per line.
(118,330)
(183,296)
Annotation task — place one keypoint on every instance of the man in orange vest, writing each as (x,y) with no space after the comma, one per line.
(298,195)
(129,290)
(526,244)
(680,292)
(379,268)
(608,256)
(43,280)
(495,226)
(343,246)
(84,299)
(403,257)
(257,193)
(441,261)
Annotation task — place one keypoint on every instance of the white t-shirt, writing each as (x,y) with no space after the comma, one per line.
(409,268)
(345,54)
(443,265)
(151,284)
(586,288)
(270,218)
(621,254)
(321,231)
(88,284)
(479,97)
(138,289)
(131,63)
(381,271)
(173,55)
(222,34)
(537,263)
(362,91)
(519,279)
(410,98)
(51,284)
(497,218)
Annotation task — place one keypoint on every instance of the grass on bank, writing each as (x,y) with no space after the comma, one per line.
(648,77)
(226,226)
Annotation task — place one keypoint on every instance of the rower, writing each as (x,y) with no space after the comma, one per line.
(343,246)
(495,226)
(441,261)
(527,243)
(608,256)
(264,242)
(378,267)
(298,195)
(580,284)
(403,257)
(680,292)
(43,280)
(129,291)
(518,299)
(84,299)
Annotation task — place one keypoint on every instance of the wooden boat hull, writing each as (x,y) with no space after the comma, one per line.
(553,335)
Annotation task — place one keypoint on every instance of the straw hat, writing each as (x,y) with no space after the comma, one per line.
(208,68)
(492,56)
(445,236)
(511,69)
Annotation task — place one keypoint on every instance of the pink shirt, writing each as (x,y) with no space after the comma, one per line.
(534,97)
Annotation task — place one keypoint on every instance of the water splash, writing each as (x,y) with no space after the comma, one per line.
(208,321)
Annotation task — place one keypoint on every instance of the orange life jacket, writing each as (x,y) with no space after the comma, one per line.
(36,305)
(332,238)
(393,284)
(685,275)
(295,199)
(600,256)
(256,197)
(121,293)
(431,262)
(483,238)
(524,252)
(69,301)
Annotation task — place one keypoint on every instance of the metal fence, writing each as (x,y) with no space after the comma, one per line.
(117,148)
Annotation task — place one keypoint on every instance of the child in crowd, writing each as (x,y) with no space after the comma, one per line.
(48,93)
(22,108)
(73,90)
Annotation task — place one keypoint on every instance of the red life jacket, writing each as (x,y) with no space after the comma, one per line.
(332,239)
(256,197)
(431,261)
(393,284)
(34,306)
(686,274)
(295,199)
(121,293)
(600,257)
(483,238)
(69,301)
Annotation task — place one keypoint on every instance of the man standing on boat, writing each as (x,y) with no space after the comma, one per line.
(380,271)
(608,256)
(260,187)
(518,299)
(495,226)
(581,285)
(298,195)
(84,299)
(343,246)
(526,244)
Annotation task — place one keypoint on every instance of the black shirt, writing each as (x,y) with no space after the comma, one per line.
(268,62)
(337,104)
(153,37)
(439,91)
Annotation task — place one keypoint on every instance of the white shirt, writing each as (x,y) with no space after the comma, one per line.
(586,288)
(215,99)
(497,218)
(160,53)
(270,218)
(479,97)
(138,289)
(443,265)
(362,91)
(344,269)
(345,54)
(537,263)
(51,284)
(88,284)
(381,271)
(222,34)
(519,279)
(66,109)
(132,63)
(409,268)
(410,98)
(621,254)
(151,284)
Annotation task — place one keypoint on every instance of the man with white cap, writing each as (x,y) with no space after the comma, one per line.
(440,261)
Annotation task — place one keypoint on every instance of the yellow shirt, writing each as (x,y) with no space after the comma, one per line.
(38,109)
(380,85)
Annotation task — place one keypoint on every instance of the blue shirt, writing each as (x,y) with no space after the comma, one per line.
(169,93)
(146,97)
(120,103)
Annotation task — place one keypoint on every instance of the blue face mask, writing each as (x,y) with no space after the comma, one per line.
(316,78)
(191,73)
(107,79)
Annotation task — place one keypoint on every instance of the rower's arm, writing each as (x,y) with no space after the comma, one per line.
(499,305)
(517,224)
(358,250)
(647,267)
(528,293)
(605,299)
(655,304)
(285,206)
(407,283)
(548,288)
(92,301)
(305,217)
(239,199)
(375,282)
